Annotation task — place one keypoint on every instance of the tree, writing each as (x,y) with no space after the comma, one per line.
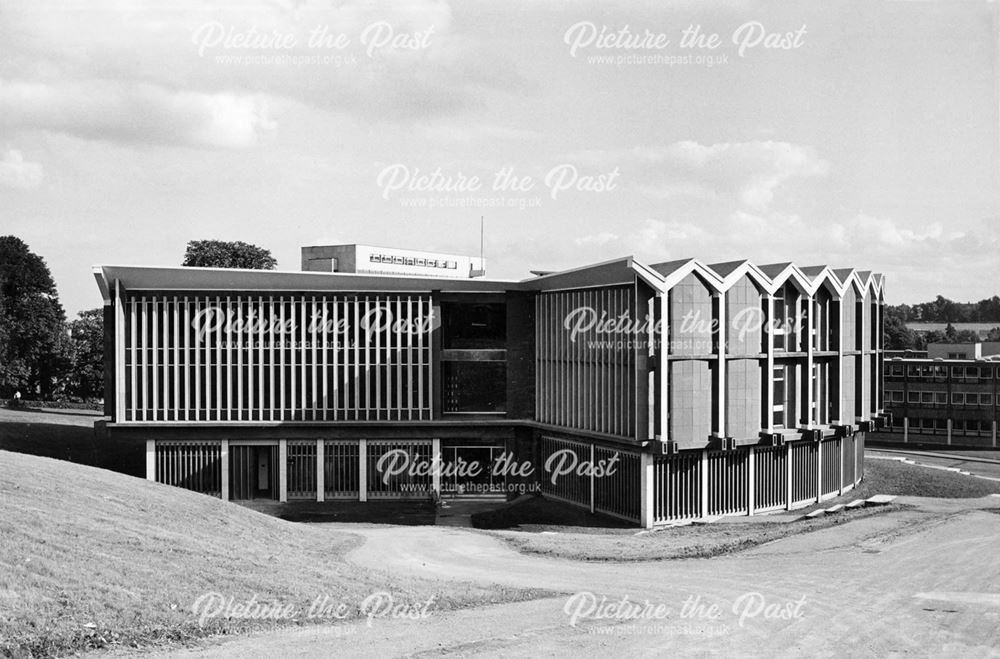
(896,335)
(222,254)
(33,345)
(87,336)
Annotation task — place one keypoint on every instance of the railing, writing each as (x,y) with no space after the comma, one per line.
(192,465)
(677,487)
(613,488)
(394,472)
(727,482)
(771,478)
(763,471)
(301,469)
(341,470)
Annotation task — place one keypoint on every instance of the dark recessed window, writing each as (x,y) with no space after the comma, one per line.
(473,326)
(474,386)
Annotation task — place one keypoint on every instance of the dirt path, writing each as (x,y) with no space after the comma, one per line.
(924,581)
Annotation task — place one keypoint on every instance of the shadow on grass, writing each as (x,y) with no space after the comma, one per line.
(539,513)
(407,513)
(74,444)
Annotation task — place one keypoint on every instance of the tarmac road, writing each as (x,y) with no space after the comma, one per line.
(923,581)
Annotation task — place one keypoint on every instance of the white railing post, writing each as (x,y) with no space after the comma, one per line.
(843,471)
(282,470)
(788,476)
(320,471)
(362,470)
(592,477)
(751,480)
(704,483)
(436,466)
(819,471)
(648,493)
(151,459)
(224,458)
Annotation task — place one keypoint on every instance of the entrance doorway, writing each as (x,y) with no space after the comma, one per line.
(468,470)
(253,472)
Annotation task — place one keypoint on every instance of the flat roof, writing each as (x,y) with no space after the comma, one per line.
(620,271)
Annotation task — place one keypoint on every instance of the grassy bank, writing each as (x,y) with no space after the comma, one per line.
(92,559)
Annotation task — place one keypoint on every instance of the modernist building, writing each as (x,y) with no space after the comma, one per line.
(951,400)
(694,390)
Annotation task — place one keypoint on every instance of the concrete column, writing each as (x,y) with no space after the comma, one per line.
(662,370)
(320,471)
(647,494)
(949,432)
(224,457)
(282,470)
(704,483)
(751,480)
(769,380)
(906,429)
(119,358)
(810,341)
(721,365)
(994,434)
(437,466)
(840,363)
(363,470)
(151,459)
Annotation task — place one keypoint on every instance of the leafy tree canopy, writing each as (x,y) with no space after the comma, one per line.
(222,254)
(33,346)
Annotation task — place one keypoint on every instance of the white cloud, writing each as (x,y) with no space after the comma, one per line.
(602,238)
(749,171)
(16,172)
(141,112)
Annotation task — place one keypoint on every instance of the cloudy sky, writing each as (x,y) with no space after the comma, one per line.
(859,134)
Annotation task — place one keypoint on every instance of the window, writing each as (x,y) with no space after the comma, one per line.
(473,326)
(958,372)
(778,409)
(985,399)
(972,373)
(897,396)
(957,399)
(474,357)
(927,397)
(779,321)
(472,386)
(912,396)
(896,370)
(941,398)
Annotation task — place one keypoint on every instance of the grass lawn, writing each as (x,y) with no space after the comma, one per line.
(90,558)
(540,526)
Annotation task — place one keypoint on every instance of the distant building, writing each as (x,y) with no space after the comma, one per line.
(368,259)
(951,397)
(976,350)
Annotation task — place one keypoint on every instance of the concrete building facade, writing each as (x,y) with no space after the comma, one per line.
(654,393)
